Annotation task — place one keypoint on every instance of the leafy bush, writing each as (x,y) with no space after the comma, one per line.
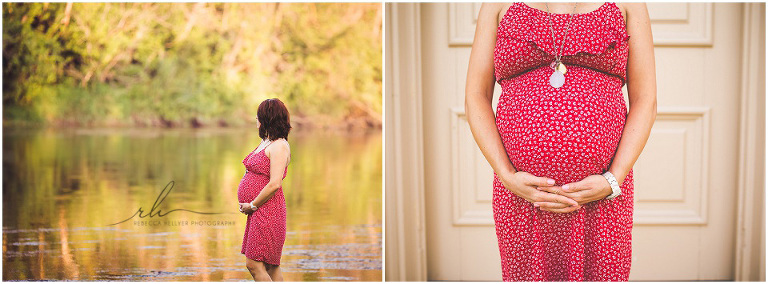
(189,63)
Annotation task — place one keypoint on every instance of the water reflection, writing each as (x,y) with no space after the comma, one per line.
(62,187)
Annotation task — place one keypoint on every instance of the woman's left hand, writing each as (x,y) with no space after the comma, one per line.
(591,188)
(246,209)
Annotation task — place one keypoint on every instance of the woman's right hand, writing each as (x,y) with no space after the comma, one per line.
(246,208)
(525,185)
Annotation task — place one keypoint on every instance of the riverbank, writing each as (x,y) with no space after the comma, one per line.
(350,123)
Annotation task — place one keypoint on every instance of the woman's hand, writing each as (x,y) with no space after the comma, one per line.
(246,208)
(526,185)
(591,188)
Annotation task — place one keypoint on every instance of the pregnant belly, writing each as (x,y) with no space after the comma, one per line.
(567,133)
(250,186)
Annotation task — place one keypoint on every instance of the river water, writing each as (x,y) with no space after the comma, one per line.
(63,187)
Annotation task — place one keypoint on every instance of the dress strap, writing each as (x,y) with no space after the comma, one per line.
(269,142)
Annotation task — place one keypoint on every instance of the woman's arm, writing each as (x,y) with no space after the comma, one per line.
(641,86)
(641,90)
(479,90)
(278,159)
(479,110)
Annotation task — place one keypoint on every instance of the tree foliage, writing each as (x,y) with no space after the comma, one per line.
(198,63)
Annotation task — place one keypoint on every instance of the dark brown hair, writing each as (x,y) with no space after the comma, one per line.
(274,120)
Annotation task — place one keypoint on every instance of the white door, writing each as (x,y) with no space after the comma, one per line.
(686,178)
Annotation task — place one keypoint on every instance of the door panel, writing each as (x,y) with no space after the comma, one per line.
(685,180)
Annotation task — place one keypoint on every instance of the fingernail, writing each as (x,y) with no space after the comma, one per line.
(551,181)
(535,205)
(565,187)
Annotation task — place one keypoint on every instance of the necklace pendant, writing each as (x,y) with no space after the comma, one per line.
(557,79)
(561,68)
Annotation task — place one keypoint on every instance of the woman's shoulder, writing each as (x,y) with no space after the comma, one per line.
(494,7)
(282,145)
(629,8)
(493,10)
(278,148)
(282,141)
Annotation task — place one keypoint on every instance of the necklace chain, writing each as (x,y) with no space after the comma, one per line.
(558,54)
(265,142)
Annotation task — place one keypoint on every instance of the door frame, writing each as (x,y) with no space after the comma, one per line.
(405,231)
(750,233)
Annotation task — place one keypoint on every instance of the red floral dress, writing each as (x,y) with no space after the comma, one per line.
(265,229)
(566,134)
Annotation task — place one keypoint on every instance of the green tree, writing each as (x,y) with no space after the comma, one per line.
(190,63)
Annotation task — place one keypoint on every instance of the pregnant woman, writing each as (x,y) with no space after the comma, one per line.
(562,142)
(260,193)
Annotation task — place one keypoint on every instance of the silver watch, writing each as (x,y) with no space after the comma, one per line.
(615,189)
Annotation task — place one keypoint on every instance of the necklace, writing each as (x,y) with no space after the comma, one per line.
(558,75)
(264,142)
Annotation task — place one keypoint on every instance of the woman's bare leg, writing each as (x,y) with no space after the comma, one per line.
(274,272)
(257,269)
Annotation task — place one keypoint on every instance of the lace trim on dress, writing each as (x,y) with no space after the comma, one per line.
(600,35)
(524,34)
